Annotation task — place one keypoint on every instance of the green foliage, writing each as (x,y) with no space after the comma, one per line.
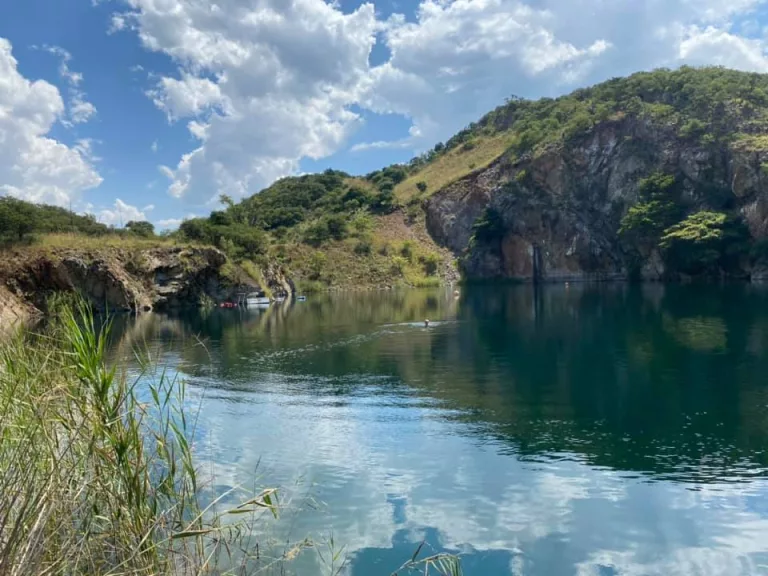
(364,247)
(657,186)
(317,264)
(97,472)
(489,229)
(406,250)
(142,228)
(645,221)
(399,264)
(431,264)
(694,128)
(19,218)
(421,186)
(333,227)
(704,243)
(236,239)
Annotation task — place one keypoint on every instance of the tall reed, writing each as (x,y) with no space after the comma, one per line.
(96,476)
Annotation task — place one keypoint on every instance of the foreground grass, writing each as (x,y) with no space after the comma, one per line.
(93,480)
(453,165)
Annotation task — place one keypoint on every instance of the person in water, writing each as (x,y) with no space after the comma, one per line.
(426,323)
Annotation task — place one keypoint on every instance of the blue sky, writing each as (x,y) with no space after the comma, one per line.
(152,108)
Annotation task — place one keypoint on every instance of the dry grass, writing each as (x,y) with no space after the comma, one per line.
(453,165)
(97,474)
(81,241)
(344,264)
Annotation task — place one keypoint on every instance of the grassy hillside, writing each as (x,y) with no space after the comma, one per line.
(329,230)
(333,229)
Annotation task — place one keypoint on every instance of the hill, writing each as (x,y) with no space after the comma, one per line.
(659,175)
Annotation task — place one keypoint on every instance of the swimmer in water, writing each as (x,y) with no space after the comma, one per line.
(426,323)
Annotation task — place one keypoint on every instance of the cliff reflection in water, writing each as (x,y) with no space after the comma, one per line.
(582,430)
(666,381)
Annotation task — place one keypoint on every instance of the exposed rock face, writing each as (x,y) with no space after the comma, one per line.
(562,208)
(118,279)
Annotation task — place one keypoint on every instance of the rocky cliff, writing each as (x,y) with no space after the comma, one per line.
(126,278)
(560,208)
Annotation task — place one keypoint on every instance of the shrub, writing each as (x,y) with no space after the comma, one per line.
(406,250)
(421,186)
(431,263)
(399,264)
(142,228)
(489,228)
(317,263)
(363,247)
(703,242)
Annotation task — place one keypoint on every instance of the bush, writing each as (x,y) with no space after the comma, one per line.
(364,247)
(406,251)
(317,263)
(704,242)
(143,228)
(431,263)
(421,186)
(489,228)
(399,264)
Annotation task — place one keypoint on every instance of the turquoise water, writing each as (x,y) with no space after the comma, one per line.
(567,430)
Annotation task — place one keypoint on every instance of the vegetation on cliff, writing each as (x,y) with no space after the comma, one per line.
(328,229)
(333,216)
(333,229)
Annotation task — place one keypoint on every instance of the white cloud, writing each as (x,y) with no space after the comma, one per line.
(34,166)
(716,46)
(264,84)
(382,145)
(121,213)
(267,84)
(80,110)
(154,147)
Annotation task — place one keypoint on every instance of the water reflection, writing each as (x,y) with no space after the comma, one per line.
(590,430)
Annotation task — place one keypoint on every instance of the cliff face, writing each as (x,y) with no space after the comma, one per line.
(561,207)
(125,279)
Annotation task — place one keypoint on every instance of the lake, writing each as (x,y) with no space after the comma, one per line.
(590,430)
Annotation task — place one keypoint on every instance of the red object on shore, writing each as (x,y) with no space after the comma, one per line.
(228,305)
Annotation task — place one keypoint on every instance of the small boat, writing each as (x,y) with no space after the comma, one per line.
(301,298)
(257,300)
(228,305)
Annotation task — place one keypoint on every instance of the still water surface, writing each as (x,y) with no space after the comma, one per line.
(591,430)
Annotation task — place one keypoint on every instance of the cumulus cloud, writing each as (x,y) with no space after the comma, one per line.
(262,85)
(121,213)
(34,166)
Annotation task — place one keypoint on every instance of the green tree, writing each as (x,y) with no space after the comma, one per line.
(141,228)
(17,218)
(704,242)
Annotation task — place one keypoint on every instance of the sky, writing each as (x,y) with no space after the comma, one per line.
(150,109)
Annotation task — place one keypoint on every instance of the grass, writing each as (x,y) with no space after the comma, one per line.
(82,241)
(452,166)
(255,274)
(93,479)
